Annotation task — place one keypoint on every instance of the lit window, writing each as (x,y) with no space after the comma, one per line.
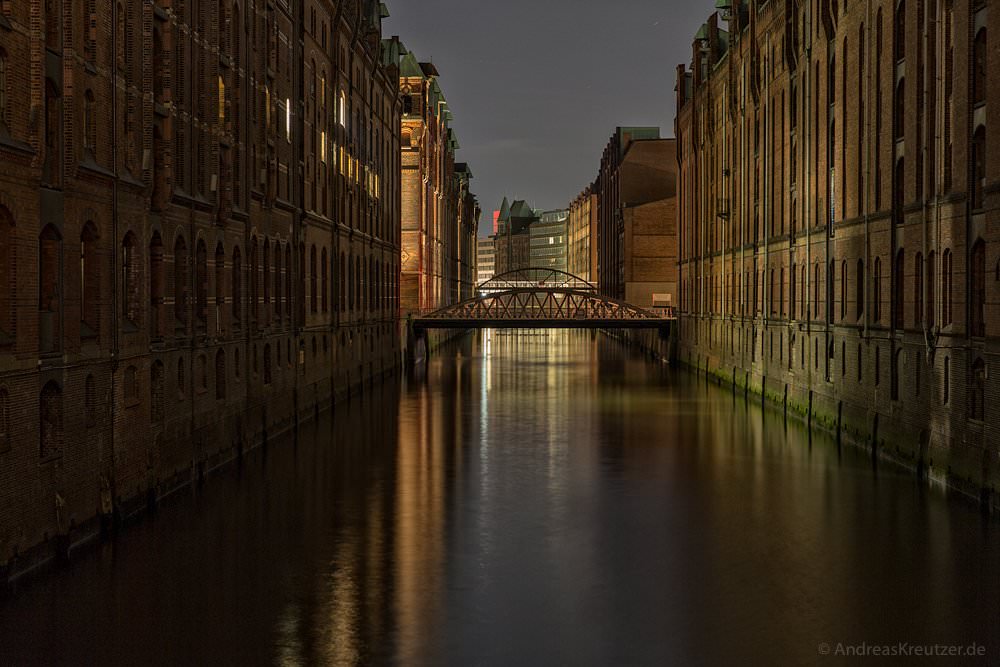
(343,109)
(267,107)
(322,146)
(288,120)
(222,100)
(552,240)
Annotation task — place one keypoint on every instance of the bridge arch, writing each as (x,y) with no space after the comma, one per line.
(543,307)
(534,278)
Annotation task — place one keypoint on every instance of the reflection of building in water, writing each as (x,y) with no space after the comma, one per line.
(428,438)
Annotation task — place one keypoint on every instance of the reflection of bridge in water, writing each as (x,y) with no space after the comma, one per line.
(542,299)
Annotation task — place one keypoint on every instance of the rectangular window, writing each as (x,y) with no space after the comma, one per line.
(322,146)
(288,120)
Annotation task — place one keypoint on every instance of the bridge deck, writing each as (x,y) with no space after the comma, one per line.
(543,323)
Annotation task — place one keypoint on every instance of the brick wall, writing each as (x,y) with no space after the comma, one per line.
(147,400)
(827,164)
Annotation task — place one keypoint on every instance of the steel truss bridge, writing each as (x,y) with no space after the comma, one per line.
(542,299)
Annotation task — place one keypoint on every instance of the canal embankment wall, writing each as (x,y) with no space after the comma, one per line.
(944,451)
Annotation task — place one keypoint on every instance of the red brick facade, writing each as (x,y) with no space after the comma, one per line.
(440,215)
(636,190)
(199,231)
(839,201)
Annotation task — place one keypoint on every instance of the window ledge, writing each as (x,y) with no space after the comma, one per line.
(9,143)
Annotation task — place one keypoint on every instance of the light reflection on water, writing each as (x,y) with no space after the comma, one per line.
(532,499)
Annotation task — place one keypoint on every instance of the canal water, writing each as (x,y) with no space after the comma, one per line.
(530,499)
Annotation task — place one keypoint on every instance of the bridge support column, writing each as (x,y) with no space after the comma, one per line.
(417,347)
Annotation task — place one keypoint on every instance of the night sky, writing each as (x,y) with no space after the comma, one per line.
(538,86)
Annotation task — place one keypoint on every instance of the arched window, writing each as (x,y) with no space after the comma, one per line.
(130,279)
(181,379)
(267,363)
(201,376)
(131,384)
(90,278)
(979,64)
(159,68)
(946,380)
(899,46)
(267,275)
(236,283)
(220,375)
(977,390)
(220,282)
(49,288)
(3,90)
(313,292)
(877,291)
(201,284)
(181,282)
(50,416)
(815,303)
(90,124)
(4,419)
(946,286)
(859,289)
(288,280)
(897,359)
(843,290)
(977,296)
(343,283)
(918,291)
(324,281)
(342,112)
(52,165)
(302,282)
(53,24)
(358,291)
(978,167)
(899,284)
(156,286)
(931,289)
(899,117)
(121,38)
(222,100)
(156,381)
(254,278)
(278,276)
(878,365)
(802,295)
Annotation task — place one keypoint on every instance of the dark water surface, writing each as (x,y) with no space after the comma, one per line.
(542,499)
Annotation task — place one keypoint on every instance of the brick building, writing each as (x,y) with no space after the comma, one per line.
(839,195)
(199,237)
(637,216)
(439,234)
(513,240)
(581,253)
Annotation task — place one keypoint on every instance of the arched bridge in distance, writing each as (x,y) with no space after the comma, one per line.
(542,299)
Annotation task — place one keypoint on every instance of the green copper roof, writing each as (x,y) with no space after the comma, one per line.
(383,10)
(504,210)
(409,67)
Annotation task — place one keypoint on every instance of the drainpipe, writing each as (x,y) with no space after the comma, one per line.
(807,171)
(863,194)
(922,93)
(115,319)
